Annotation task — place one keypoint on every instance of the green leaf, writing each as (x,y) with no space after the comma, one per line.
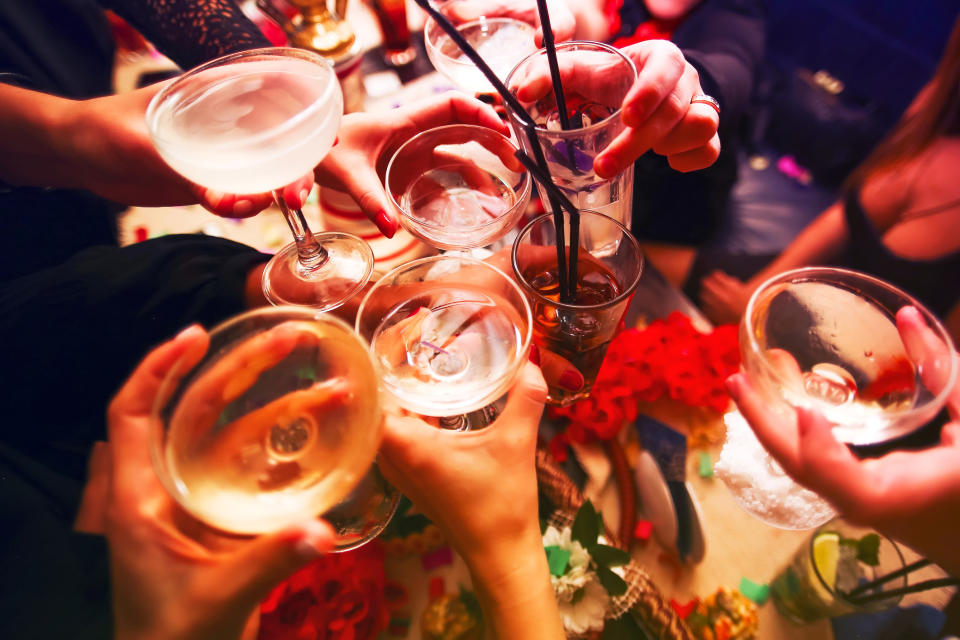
(585,528)
(868,549)
(607,556)
(558,559)
(613,583)
(471,603)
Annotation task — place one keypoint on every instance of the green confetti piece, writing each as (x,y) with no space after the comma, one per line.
(705,468)
(756,592)
(558,559)
(307,373)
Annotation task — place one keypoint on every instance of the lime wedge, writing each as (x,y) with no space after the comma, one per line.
(826,556)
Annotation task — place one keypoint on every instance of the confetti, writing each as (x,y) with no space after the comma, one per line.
(437,558)
(643,530)
(684,610)
(756,592)
(437,587)
(705,465)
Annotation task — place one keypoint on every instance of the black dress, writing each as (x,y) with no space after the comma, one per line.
(77,313)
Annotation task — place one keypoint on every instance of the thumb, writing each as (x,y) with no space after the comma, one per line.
(526,399)
(248,575)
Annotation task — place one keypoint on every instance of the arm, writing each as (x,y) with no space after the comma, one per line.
(482,493)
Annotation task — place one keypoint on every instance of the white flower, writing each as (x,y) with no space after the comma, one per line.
(581,598)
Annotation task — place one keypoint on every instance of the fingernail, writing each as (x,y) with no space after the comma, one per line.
(188,331)
(336,140)
(242,207)
(317,539)
(534,355)
(385,224)
(571,380)
(732,383)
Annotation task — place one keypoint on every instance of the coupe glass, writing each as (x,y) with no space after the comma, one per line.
(448,336)
(252,122)
(458,186)
(277,421)
(609,266)
(501,42)
(596,78)
(826,339)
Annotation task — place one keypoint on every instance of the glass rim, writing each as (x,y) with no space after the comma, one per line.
(627,292)
(157,426)
(268,53)
(808,274)
(569,44)
(523,193)
(836,529)
(431,25)
(409,266)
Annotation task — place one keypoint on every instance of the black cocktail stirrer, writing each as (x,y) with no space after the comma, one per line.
(529,125)
(551,49)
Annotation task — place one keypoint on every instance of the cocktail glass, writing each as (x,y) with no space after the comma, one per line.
(501,42)
(252,122)
(826,339)
(458,186)
(596,78)
(609,266)
(836,559)
(277,421)
(448,336)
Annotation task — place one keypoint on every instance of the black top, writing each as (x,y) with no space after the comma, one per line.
(927,280)
(724,40)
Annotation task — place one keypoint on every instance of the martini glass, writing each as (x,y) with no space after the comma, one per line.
(501,42)
(252,122)
(826,339)
(458,186)
(448,336)
(277,421)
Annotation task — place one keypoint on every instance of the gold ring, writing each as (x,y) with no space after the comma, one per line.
(703,98)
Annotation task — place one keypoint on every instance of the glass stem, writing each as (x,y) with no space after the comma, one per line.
(309,252)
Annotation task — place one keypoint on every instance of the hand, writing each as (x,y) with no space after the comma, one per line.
(165,583)
(562,20)
(911,496)
(112,155)
(724,298)
(659,116)
(366,141)
(479,487)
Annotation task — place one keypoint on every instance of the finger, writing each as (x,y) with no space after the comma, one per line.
(950,434)
(93,502)
(825,465)
(556,369)
(660,66)
(778,438)
(407,445)
(364,186)
(454,107)
(296,193)
(230,205)
(128,413)
(695,130)
(248,575)
(634,141)
(525,402)
(698,158)
(932,357)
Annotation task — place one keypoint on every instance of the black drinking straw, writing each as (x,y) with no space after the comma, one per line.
(913,588)
(873,584)
(551,49)
(529,125)
(544,179)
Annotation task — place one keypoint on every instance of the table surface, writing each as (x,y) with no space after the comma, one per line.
(737,544)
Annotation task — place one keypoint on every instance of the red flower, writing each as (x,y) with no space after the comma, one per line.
(340,596)
(667,358)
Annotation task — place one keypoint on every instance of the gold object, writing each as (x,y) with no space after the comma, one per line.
(316,27)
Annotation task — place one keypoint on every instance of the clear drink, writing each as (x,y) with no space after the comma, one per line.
(501,42)
(249,127)
(277,423)
(443,197)
(445,350)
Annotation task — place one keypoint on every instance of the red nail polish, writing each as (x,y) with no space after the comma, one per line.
(571,380)
(385,224)
(534,355)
